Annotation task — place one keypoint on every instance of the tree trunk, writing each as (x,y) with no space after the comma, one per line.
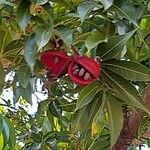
(131,124)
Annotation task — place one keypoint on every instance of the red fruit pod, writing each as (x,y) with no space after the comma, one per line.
(56,62)
(83,70)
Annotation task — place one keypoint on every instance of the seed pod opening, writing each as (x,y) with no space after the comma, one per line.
(83,70)
(56,62)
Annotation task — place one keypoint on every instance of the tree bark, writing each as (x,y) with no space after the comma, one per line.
(131,124)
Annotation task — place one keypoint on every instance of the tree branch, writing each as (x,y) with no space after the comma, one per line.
(131,124)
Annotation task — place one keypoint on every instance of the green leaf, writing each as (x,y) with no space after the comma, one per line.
(41,107)
(106,3)
(39,2)
(1,124)
(65,33)
(84,9)
(5,38)
(6,2)
(67,106)
(87,94)
(23,13)
(82,37)
(100,113)
(35,145)
(128,10)
(124,89)
(42,36)
(115,116)
(130,70)
(82,119)
(23,75)
(114,46)
(99,145)
(16,94)
(5,132)
(52,143)
(30,52)
(94,39)
(46,124)
(13,48)
(55,108)
(26,93)
(12,136)
(49,9)
(2,76)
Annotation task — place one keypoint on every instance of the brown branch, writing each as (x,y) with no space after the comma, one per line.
(74,49)
(138,142)
(131,124)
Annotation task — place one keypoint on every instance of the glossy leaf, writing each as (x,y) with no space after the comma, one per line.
(114,46)
(30,52)
(84,9)
(65,33)
(23,75)
(26,93)
(68,106)
(46,125)
(6,2)
(99,145)
(55,109)
(87,94)
(41,107)
(39,2)
(49,9)
(106,3)
(17,94)
(42,36)
(23,13)
(82,37)
(98,120)
(1,141)
(128,10)
(12,137)
(5,132)
(125,89)
(115,115)
(94,39)
(130,70)
(82,118)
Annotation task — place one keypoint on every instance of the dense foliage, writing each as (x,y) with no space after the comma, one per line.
(69,116)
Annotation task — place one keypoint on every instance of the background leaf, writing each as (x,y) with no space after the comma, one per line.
(42,36)
(66,34)
(106,3)
(84,9)
(115,115)
(30,52)
(87,94)
(125,89)
(26,93)
(23,13)
(99,118)
(82,118)
(94,39)
(23,75)
(114,46)
(39,2)
(2,76)
(128,69)
(128,10)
